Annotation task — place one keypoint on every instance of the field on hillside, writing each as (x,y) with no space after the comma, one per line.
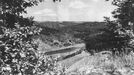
(63,34)
(74,29)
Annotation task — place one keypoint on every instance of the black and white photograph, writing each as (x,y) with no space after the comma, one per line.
(66,37)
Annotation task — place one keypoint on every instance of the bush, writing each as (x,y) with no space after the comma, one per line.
(19,53)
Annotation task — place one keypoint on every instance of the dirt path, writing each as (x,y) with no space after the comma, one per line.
(65,49)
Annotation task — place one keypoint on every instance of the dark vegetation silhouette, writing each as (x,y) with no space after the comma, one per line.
(118,34)
(19,53)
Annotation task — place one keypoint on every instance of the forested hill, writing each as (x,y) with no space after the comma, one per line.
(73,26)
(68,33)
(76,29)
(86,27)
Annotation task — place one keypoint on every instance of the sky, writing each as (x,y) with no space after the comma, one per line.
(71,10)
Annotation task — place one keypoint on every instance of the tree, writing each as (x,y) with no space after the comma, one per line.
(19,54)
(57,0)
(124,13)
(118,35)
(12,10)
(124,24)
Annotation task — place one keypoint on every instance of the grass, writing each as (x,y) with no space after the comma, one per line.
(103,64)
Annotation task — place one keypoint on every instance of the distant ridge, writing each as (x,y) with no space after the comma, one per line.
(57,24)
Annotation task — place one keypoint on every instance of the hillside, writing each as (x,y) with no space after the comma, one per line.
(57,25)
(68,33)
(85,26)
(74,27)
(83,30)
(69,24)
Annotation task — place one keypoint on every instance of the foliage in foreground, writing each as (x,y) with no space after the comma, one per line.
(104,64)
(122,27)
(19,54)
(119,35)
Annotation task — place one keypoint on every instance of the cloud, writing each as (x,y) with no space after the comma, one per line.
(45,12)
(63,13)
(96,0)
(77,4)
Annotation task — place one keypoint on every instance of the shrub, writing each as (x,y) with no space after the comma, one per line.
(19,53)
